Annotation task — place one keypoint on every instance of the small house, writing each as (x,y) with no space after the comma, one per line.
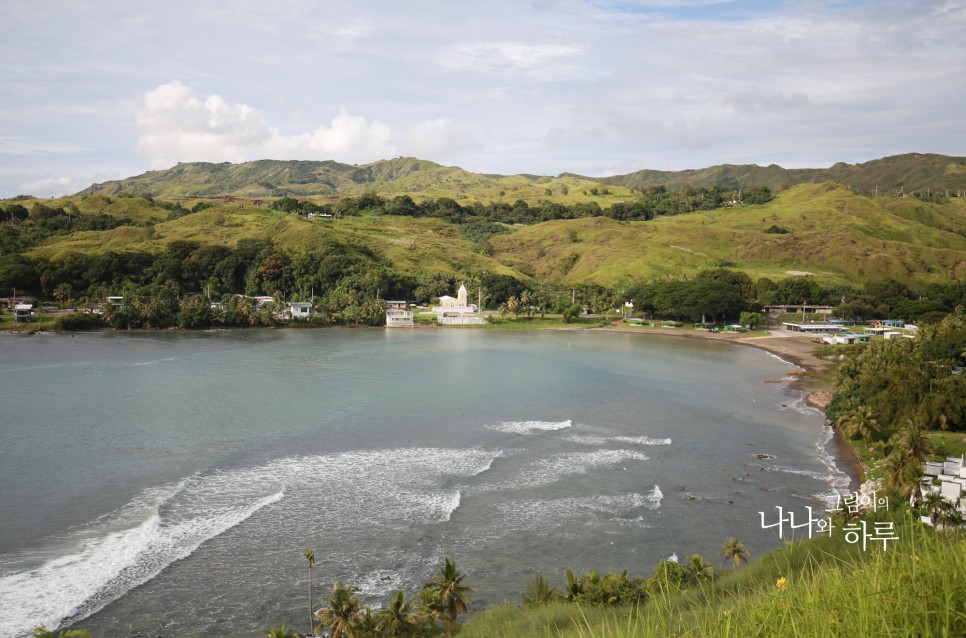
(299,310)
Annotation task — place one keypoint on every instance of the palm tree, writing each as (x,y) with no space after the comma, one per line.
(310,555)
(513,306)
(279,632)
(910,449)
(860,422)
(453,594)
(342,612)
(539,591)
(526,302)
(397,620)
(734,550)
(698,570)
(941,511)
(428,609)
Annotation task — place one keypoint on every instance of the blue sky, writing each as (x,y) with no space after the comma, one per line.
(106,89)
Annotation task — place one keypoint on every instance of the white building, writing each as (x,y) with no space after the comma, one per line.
(299,310)
(398,315)
(457,311)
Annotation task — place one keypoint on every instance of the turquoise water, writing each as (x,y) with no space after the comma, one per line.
(167,484)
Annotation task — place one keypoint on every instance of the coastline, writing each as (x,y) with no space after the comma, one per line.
(795,349)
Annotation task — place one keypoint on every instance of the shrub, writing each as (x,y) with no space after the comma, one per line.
(78,321)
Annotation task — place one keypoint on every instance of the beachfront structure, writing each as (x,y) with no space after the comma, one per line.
(848,338)
(791,309)
(456,311)
(299,310)
(23,312)
(398,315)
(813,328)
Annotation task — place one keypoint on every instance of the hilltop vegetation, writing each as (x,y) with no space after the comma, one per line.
(592,248)
(909,173)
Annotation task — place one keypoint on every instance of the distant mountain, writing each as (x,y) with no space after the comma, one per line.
(909,172)
(274,178)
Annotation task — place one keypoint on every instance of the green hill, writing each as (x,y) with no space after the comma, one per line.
(330,180)
(824,229)
(832,232)
(902,173)
(912,172)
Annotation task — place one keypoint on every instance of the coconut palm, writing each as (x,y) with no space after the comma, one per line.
(734,550)
(453,594)
(539,591)
(428,609)
(397,620)
(910,449)
(941,511)
(279,632)
(698,570)
(526,303)
(310,555)
(341,613)
(860,422)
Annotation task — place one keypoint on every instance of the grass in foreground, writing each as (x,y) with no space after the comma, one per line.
(830,588)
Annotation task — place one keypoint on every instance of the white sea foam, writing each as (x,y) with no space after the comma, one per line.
(529,427)
(98,569)
(553,468)
(533,514)
(839,481)
(90,567)
(596,441)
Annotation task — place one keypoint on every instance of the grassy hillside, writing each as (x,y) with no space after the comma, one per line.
(409,245)
(828,230)
(328,179)
(833,233)
(908,172)
(331,180)
(917,587)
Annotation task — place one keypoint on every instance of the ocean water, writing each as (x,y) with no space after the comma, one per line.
(167,483)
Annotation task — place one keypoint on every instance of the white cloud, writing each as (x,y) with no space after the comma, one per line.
(175,125)
(502,56)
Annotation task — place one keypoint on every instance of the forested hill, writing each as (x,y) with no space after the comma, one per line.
(908,173)
(911,172)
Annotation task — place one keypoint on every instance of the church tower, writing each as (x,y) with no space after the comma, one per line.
(461,296)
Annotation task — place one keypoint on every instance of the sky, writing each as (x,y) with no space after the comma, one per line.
(94,90)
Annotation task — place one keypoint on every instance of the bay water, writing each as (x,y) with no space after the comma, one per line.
(167,484)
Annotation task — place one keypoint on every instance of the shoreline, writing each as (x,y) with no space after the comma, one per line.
(795,349)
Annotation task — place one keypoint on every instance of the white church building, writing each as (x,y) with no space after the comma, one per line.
(457,310)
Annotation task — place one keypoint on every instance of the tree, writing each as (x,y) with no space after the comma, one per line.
(280,632)
(453,594)
(860,422)
(697,570)
(62,293)
(398,620)
(341,613)
(526,302)
(734,550)
(910,449)
(751,319)
(540,592)
(310,556)
(941,511)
